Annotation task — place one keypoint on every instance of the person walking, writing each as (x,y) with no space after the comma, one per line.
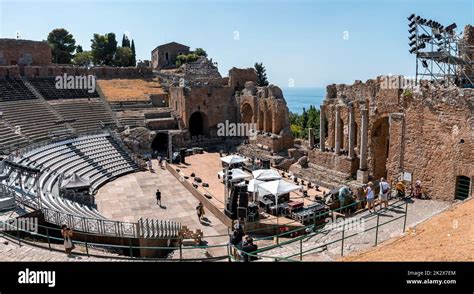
(67,236)
(150,165)
(158,197)
(383,193)
(200,211)
(369,194)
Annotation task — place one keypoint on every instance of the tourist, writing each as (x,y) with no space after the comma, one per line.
(200,211)
(417,191)
(235,240)
(67,236)
(248,247)
(383,193)
(150,165)
(158,197)
(369,194)
(400,187)
(344,193)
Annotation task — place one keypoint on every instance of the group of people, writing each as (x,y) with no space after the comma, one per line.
(161,161)
(241,245)
(384,190)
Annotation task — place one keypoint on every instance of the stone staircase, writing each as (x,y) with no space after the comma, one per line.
(322,176)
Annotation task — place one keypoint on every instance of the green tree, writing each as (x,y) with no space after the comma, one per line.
(111,48)
(79,49)
(300,123)
(183,58)
(133,62)
(123,56)
(261,74)
(83,58)
(62,45)
(125,41)
(200,52)
(103,49)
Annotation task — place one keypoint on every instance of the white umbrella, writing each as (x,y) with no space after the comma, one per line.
(278,187)
(253,185)
(232,159)
(266,174)
(237,175)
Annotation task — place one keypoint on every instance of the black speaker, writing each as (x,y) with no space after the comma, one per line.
(243,199)
(242,213)
(182,153)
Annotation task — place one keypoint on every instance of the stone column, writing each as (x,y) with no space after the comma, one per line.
(337,131)
(352,134)
(322,129)
(362,173)
(311,137)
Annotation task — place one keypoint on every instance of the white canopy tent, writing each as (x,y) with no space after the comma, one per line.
(237,175)
(232,159)
(266,174)
(276,188)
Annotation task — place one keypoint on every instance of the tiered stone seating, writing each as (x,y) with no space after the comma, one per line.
(8,138)
(14,90)
(47,87)
(89,115)
(33,117)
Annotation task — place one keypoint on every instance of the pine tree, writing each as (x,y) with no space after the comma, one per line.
(261,74)
(125,41)
(133,62)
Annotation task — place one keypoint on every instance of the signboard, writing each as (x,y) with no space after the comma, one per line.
(406,176)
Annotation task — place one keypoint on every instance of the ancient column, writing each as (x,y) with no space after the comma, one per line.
(362,173)
(352,130)
(322,129)
(311,137)
(337,131)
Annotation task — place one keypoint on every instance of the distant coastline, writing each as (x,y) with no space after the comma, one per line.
(298,98)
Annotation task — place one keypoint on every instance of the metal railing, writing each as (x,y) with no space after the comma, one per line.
(49,237)
(316,230)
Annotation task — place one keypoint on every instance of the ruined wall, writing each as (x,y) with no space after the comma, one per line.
(426,130)
(238,77)
(24,52)
(216,104)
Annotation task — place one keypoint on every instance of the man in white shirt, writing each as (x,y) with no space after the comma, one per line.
(384,190)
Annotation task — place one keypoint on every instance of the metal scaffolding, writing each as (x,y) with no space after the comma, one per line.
(442,55)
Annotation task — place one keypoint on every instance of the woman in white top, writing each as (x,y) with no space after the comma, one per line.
(369,194)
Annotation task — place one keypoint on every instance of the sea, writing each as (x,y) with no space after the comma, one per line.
(298,98)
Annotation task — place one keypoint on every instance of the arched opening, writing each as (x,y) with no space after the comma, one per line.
(463,186)
(380,146)
(246,113)
(198,124)
(160,143)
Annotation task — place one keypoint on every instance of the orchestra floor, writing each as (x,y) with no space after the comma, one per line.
(132,197)
(207,165)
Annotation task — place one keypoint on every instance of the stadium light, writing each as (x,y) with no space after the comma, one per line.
(411,16)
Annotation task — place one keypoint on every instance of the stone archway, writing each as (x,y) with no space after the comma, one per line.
(246,113)
(160,142)
(380,147)
(198,124)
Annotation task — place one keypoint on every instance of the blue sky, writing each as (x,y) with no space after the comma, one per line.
(299,40)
